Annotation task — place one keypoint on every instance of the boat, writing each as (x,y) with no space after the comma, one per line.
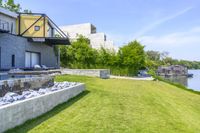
(190,75)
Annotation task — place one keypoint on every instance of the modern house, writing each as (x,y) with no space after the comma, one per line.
(29,39)
(88,30)
(173,70)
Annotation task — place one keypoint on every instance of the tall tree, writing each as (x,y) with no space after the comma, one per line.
(12,6)
(79,54)
(153,55)
(132,57)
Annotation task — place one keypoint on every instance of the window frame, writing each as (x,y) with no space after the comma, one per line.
(37,28)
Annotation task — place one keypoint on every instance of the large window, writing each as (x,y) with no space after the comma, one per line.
(32,59)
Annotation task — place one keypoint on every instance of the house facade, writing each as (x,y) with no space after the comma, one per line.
(88,30)
(27,40)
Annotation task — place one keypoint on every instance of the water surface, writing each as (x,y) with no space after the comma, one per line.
(194,83)
(191,83)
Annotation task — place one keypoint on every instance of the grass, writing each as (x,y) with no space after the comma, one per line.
(119,105)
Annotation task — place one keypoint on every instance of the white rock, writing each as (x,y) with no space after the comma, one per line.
(26,93)
(32,94)
(20,97)
(12,94)
(44,91)
(8,99)
(54,89)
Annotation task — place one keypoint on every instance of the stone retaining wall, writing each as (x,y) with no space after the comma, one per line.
(17,113)
(19,85)
(102,73)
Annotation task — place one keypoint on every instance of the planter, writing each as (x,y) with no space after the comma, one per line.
(17,113)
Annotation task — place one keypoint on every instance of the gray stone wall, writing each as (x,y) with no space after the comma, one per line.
(11,44)
(101,73)
(17,113)
(19,85)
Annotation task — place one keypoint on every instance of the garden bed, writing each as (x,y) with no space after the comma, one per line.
(19,111)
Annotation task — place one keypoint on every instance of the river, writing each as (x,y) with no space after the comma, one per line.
(194,83)
(191,83)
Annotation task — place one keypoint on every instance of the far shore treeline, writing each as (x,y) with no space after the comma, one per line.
(127,61)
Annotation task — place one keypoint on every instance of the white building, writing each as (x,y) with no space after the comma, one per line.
(97,40)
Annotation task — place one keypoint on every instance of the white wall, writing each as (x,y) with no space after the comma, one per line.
(97,40)
(73,31)
(110,45)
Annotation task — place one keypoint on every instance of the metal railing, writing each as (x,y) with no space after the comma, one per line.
(4,25)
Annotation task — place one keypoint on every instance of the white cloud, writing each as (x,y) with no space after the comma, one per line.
(176,39)
(121,39)
(160,21)
(181,45)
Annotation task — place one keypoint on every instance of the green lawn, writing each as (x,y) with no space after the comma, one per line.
(126,106)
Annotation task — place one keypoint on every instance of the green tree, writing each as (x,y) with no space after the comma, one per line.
(79,54)
(64,60)
(1,3)
(106,58)
(132,57)
(10,5)
(168,61)
(153,55)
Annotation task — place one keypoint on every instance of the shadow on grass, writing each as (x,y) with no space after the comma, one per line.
(30,124)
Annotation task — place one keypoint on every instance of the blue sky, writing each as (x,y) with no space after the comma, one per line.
(163,25)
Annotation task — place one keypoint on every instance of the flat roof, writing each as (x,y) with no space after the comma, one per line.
(50,40)
(8,13)
(75,25)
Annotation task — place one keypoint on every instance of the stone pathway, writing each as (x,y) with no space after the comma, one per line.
(132,78)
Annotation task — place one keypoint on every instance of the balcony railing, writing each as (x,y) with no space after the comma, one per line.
(4,26)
